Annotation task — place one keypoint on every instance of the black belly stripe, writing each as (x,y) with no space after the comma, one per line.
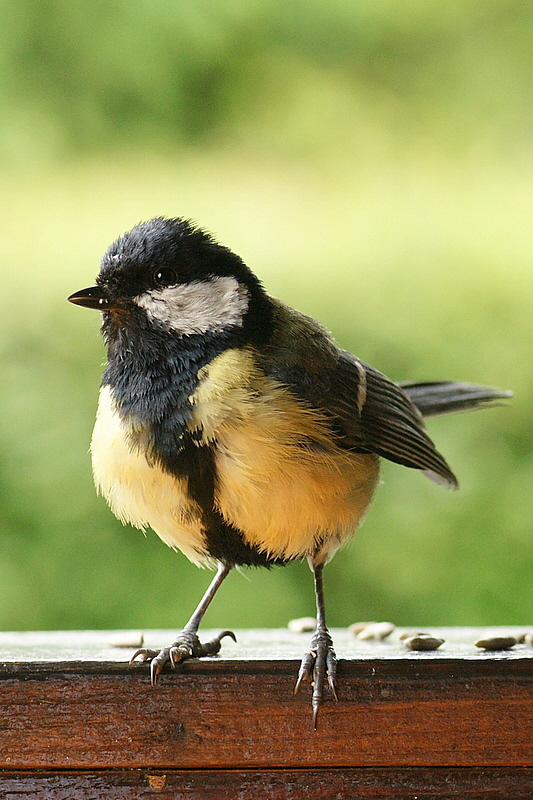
(152,378)
(223,541)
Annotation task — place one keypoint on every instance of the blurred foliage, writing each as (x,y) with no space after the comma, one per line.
(372,162)
(91,75)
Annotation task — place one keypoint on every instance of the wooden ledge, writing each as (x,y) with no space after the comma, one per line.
(368,783)
(70,700)
(73,708)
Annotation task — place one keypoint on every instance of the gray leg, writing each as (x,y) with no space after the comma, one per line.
(320,662)
(187,644)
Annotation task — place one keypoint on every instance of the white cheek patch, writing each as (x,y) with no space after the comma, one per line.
(198,307)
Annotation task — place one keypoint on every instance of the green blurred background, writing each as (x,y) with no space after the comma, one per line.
(371,160)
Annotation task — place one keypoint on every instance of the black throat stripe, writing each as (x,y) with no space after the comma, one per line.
(152,379)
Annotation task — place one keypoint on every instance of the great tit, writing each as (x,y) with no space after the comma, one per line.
(236,428)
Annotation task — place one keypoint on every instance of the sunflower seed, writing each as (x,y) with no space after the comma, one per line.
(357,627)
(423,642)
(125,639)
(302,624)
(497,643)
(410,634)
(376,630)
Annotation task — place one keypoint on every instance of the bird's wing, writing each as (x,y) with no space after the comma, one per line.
(374,408)
(368,412)
(447,397)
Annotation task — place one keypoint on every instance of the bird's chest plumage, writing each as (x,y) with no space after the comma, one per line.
(275,474)
(139,490)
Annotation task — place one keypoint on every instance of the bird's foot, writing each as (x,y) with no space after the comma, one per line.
(318,664)
(187,645)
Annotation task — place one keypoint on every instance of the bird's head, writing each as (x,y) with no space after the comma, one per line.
(171,274)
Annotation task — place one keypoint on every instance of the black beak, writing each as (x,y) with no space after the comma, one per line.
(93,297)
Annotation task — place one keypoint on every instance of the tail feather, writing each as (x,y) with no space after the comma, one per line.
(446,397)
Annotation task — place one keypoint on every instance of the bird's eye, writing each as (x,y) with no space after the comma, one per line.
(164,276)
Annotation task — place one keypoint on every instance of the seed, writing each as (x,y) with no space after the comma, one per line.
(126,639)
(376,630)
(497,643)
(357,627)
(410,634)
(423,642)
(302,624)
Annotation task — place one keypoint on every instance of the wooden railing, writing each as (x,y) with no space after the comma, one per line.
(78,722)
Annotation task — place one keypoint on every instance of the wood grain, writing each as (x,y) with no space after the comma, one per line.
(315,784)
(395,709)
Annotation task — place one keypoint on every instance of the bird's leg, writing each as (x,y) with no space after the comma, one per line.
(320,662)
(187,643)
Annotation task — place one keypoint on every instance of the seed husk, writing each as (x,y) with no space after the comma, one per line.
(357,627)
(409,634)
(377,631)
(494,643)
(302,624)
(125,639)
(423,642)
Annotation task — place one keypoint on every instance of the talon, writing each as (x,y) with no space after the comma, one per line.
(227,633)
(316,709)
(155,668)
(331,670)
(305,670)
(187,645)
(320,662)
(213,647)
(144,653)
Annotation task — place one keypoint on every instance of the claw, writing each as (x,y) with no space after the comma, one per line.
(178,652)
(145,654)
(227,633)
(187,645)
(305,669)
(213,647)
(320,662)
(155,668)
(316,709)
(331,671)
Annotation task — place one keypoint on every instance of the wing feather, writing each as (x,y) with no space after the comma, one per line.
(390,424)
(368,412)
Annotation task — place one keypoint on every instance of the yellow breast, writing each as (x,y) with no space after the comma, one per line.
(139,492)
(281,479)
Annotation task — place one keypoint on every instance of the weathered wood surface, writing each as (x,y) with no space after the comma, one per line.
(263,644)
(71,702)
(441,783)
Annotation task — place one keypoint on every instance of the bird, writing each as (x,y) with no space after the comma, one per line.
(235,426)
